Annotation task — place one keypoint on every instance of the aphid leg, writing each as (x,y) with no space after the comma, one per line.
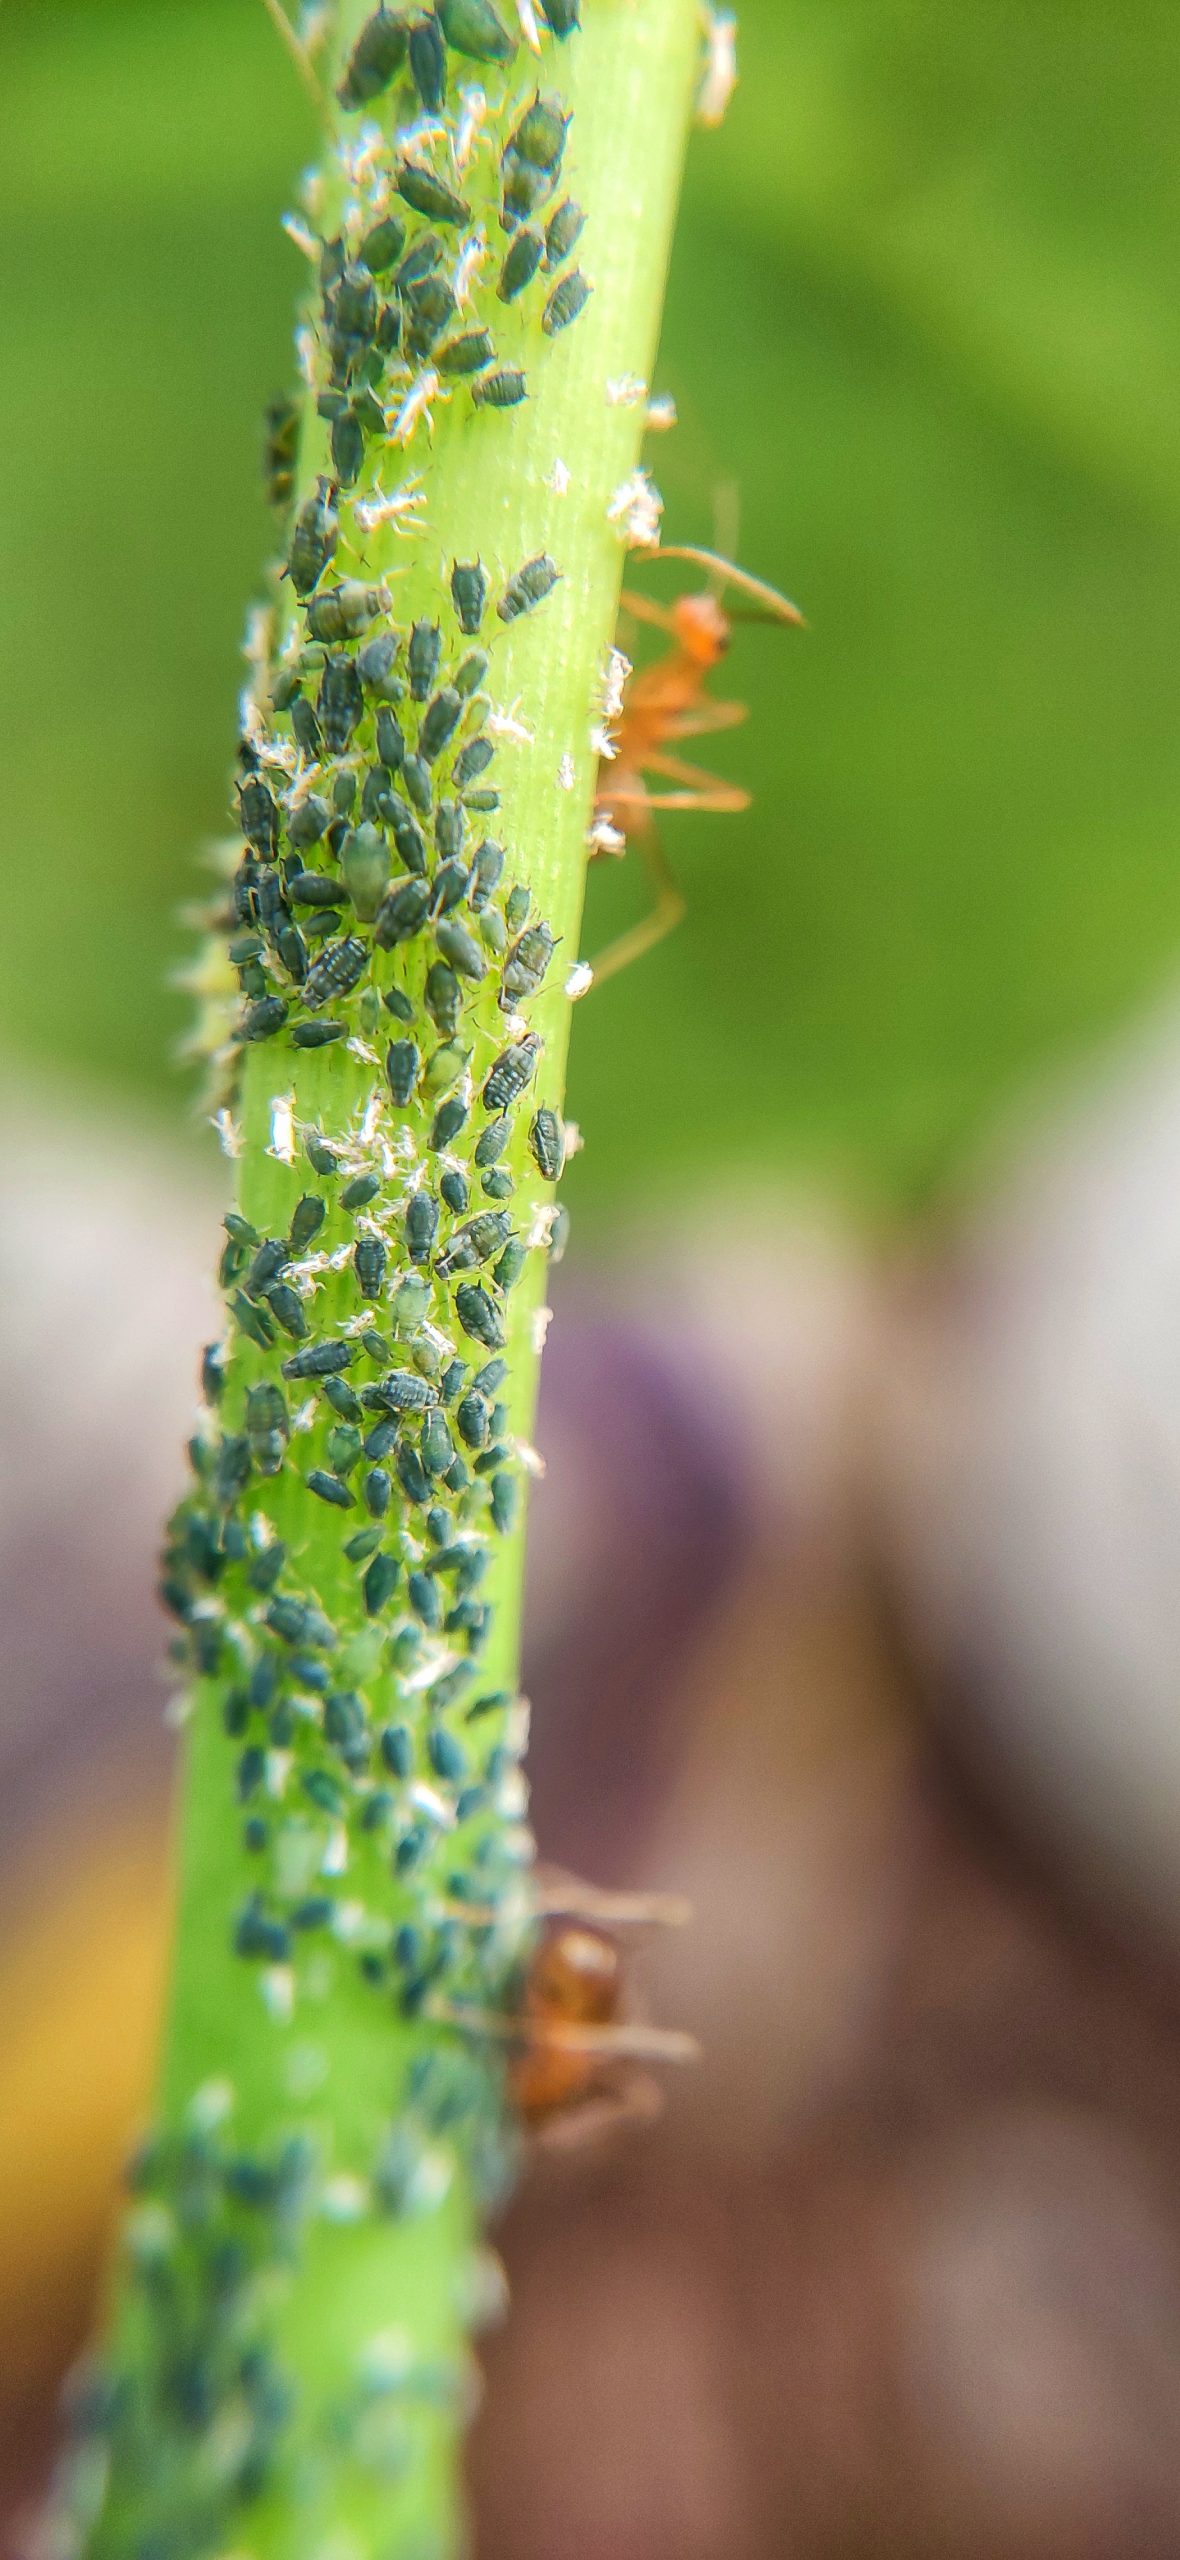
(666,912)
(297,50)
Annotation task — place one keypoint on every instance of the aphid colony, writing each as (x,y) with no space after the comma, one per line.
(356,1470)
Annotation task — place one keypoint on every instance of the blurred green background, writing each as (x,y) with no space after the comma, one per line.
(924,308)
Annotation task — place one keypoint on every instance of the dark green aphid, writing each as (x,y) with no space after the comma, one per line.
(428,63)
(382,246)
(475,1243)
(529,587)
(280,452)
(567,299)
(469,595)
(345,1727)
(562,16)
(252,1321)
(451,883)
(362,1544)
(401,914)
(450,832)
(260,817)
(432,307)
(375,663)
(510,1266)
(425,1600)
(547,1142)
(471,761)
(329,1489)
(460,947)
(260,1021)
(312,1913)
(564,231)
(492,1141)
(344,1447)
(407,835)
(421,1226)
(352,307)
(447,1122)
(516,911)
(343,798)
(365,864)
(377,797)
(324,1790)
(397,1002)
(292,951)
(397,1750)
(232,1473)
(240,1229)
(416,780)
(340,703)
(470,353)
(309,820)
(503,389)
(313,540)
(474,28)
(313,889)
(253,980)
(559,1235)
(343,612)
(307,1218)
(271,1258)
(264,1570)
(358,1193)
(401,1070)
(378,1586)
(318,1035)
(470,673)
(478,1315)
(320,1360)
(391,745)
(444,998)
(400,1391)
(212,1373)
(453,1190)
(377,56)
(504,1500)
(246,946)
(343,1399)
(423,258)
(412,1476)
(419,188)
(348,449)
(258,1938)
(288,1310)
(539,138)
(437,1446)
(439,722)
(526,965)
(512,1071)
(425,651)
(520,265)
(485,872)
(336,971)
(446,1754)
(306,728)
(377,1491)
(322,1158)
(369,1261)
(493,932)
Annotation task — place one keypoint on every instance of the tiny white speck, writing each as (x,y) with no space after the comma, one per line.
(542,1320)
(528,24)
(344,2199)
(566,773)
(306,2071)
(559,479)
(282,1128)
(661,414)
(614,683)
(636,508)
(625,391)
(427,1800)
(297,230)
(177,1710)
(335,1857)
(278,1770)
(719,79)
(580,979)
(531,1460)
(211,2104)
(228,1133)
(602,744)
(603,836)
(574,1141)
(277,1986)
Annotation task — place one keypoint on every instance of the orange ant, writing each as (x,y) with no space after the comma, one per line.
(574,2042)
(665,703)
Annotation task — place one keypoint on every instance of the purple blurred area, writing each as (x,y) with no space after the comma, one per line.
(839,1622)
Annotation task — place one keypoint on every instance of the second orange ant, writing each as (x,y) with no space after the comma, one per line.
(665,704)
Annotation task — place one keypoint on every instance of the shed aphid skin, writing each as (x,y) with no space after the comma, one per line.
(719,76)
(392,931)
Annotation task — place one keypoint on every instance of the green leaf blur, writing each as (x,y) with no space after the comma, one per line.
(923,309)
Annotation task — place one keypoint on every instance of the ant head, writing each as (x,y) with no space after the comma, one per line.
(702,628)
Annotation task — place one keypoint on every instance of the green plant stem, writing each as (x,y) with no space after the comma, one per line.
(356,2303)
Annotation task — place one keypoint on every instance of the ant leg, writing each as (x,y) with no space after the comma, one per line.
(645,609)
(627,2041)
(700,790)
(556,1893)
(638,2099)
(664,915)
(708,716)
(298,52)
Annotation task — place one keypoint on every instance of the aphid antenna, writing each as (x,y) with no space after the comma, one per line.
(769,605)
(298,52)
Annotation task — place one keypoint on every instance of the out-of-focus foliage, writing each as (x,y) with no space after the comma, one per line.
(923,309)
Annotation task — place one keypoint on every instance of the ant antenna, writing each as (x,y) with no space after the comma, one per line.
(298,52)
(770,605)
